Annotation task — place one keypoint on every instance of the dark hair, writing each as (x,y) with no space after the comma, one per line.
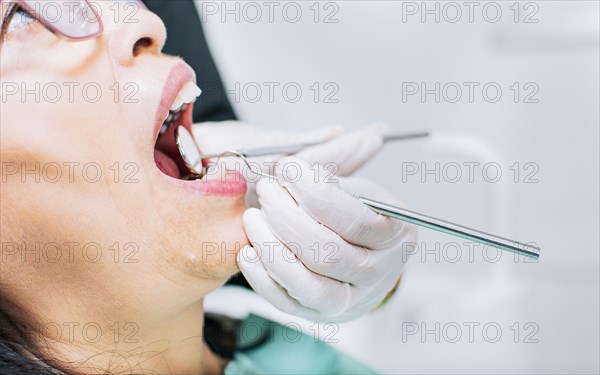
(21,352)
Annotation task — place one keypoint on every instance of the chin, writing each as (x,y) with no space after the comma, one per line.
(202,245)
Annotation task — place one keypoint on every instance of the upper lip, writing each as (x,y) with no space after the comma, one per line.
(180,74)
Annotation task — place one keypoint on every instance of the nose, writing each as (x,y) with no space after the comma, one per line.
(132,31)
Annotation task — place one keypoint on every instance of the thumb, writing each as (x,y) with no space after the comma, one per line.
(318,135)
(273,137)
(282,138)
(348,151)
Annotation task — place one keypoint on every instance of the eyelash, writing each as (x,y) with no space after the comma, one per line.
(16,11)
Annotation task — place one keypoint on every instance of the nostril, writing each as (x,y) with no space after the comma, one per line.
(141,44)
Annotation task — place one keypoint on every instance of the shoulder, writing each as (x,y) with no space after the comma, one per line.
(267,347)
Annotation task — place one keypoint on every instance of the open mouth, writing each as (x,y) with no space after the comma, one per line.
(175,110)
(178,109)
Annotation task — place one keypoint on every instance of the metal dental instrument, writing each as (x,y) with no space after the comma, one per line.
(193,159)
(457,230)
(294,148)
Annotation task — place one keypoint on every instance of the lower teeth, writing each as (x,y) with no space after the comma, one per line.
(164,128)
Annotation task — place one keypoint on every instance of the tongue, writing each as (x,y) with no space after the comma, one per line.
(166,164)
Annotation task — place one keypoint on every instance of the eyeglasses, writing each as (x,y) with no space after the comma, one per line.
(77,20)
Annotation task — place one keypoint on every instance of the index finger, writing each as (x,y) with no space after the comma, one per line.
(327,203)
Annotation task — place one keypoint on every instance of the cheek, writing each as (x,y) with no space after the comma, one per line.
(60,118)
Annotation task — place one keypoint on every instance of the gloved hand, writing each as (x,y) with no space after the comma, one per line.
(342,258)
(318,252)
(345,156)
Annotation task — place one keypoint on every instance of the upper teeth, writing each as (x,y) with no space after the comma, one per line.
(188,94)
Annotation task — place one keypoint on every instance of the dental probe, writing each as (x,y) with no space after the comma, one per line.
(193,160)
(294,148)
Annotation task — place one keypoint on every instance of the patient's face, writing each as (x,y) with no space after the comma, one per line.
(83,200)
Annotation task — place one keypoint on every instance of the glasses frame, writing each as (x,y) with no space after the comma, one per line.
(49,25)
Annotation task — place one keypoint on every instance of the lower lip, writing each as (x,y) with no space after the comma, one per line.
(231,183)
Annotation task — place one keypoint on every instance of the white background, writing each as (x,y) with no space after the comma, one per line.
(368,54)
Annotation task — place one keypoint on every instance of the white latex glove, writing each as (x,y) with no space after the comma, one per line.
(355,258)
(346,155)
(322,255)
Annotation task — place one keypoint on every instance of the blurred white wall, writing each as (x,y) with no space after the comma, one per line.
(366,56)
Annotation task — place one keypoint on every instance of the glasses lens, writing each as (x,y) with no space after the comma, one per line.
(73,19)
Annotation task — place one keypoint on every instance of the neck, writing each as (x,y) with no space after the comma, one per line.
(171,346)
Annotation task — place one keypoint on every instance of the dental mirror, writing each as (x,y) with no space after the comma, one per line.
(189,151)
(193,160)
